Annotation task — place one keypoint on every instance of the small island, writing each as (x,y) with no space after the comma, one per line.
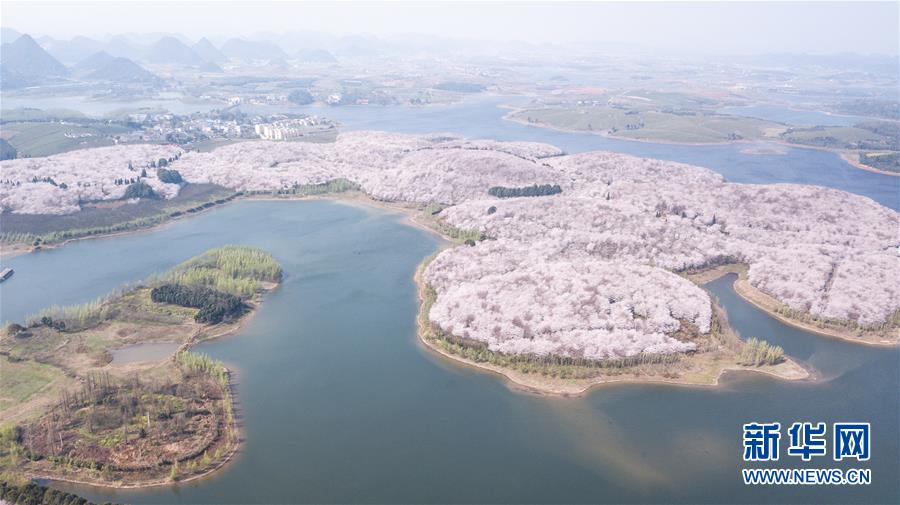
(71,412)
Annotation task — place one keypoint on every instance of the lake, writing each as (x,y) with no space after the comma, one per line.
(340,403)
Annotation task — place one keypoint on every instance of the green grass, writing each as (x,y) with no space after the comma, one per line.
(40,345)
(232,269)
(578,118)
(45,139)
(649,124)
(642,98)
(137,307)
(20,380)
(237,270)
(887,160)
(698,128)
(842,137)
(32,114)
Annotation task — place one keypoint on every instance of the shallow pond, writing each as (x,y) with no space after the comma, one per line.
(143,352)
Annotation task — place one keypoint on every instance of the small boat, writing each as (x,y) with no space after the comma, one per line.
(6,273)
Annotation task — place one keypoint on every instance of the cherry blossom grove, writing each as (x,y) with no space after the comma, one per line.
(585,273)
(58,184)
(513,298)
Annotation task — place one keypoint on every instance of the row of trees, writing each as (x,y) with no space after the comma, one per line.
(162,162)
(96,388)
(72,317)
(233,269)
(881,160)
(339,185)
(36,494)
(202,364)
(535,190)
(215,306)
(756,352)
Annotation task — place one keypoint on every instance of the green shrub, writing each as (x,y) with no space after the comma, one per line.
(756,352)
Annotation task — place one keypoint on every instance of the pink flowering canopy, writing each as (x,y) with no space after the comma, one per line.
(585,273)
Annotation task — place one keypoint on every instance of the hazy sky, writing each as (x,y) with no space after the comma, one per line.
(734,27)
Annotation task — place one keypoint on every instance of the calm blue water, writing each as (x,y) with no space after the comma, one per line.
(339,402)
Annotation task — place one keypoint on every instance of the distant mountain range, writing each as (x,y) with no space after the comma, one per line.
(104,67)
(209,52)
(123,70)
(73,51)
(24,56)
(249,50)
(8,35)
(24,63)
(171,51)
(164,49)
(121,45)
(93,62)
(315,56)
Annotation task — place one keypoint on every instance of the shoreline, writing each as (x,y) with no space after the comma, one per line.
(709,374)
(849,157)
(759,299)
(20,248)
(513,110)
(845,154)
(197,337)
(10,250)
(571,388)
(409,212)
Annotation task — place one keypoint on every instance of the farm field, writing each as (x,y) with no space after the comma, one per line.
(45,139)
(651,125)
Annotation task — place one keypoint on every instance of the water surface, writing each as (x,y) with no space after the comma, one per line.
(339,402)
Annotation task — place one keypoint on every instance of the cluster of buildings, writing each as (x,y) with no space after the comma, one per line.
(285,129)
(268,99)
(218,125)
(171,128)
